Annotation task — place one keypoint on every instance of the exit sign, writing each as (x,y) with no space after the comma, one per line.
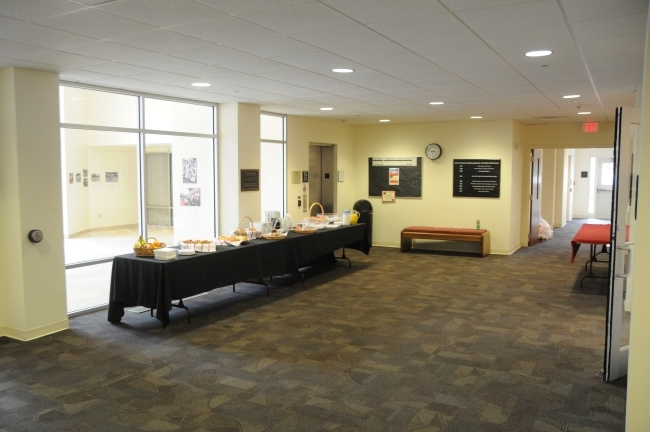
(590,127)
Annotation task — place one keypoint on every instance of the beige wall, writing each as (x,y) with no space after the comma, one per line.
(32,276)
(638,388)
(302,131)
(239,148)
(438,207)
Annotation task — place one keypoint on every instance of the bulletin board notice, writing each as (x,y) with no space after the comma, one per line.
(477,178)
(403,175)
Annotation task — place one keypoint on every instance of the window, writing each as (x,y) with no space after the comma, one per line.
(132,165)
(273,162)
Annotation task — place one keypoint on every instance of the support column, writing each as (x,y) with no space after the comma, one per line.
(239,148)
(32,275)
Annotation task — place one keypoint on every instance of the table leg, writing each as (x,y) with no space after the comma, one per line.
(182,306)
(345,258)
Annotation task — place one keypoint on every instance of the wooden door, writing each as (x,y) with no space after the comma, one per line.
(535,196)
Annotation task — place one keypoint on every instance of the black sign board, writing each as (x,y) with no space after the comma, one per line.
(477,178)
(250,180)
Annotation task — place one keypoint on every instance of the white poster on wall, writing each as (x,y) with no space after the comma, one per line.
(189,170)
(393,176)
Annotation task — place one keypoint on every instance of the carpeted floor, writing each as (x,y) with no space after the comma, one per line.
(400,342)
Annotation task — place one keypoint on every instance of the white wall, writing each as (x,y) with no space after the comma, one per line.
(32,275)
(438,207)
(638,388)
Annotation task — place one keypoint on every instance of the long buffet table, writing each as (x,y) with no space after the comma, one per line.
(155,284)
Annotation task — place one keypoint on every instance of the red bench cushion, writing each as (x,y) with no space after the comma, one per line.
(434,230)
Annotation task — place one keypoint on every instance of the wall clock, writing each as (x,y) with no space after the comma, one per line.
(433,151)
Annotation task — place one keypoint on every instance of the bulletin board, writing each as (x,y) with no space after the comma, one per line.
(400,174)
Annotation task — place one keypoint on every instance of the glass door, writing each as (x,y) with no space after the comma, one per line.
(623,234)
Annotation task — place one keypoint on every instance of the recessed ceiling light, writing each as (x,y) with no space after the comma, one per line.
(343,70)
(476,117)
(436,103)
(584,112)
(200,84)
(384,121)
(540,53)
(570,96)
(326,109)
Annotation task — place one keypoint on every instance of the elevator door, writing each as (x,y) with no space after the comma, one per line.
(321,177)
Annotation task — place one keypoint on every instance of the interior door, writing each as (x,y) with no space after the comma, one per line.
(604,184)
(622,244)
(535,196)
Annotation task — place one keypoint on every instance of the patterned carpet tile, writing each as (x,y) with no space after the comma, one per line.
(399,342)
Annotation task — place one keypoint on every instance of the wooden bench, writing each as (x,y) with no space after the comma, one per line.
(452,234)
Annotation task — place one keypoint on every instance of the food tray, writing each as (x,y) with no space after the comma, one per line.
(275,236)
(305,231)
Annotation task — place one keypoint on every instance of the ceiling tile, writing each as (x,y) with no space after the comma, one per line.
(207,72)
(161,41)
(61,59)
(273,47)
(528,39)
(95,24)
(431,48)
(34,10)
(108,51)
(588,10)
(79,75)
(117,69)
(15,50)
(496,79)
(342,37)
(318,61)
(515,16)
(369,11)
(257,66)
(162,13)
(9,22)
(225,30)
(463,5)
(43,37)
(171,78)
(215,55)
(299,18)
(615,27)
(162,62)
(426,27)
(239,7)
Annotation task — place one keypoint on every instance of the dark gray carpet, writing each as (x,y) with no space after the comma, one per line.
(400,342)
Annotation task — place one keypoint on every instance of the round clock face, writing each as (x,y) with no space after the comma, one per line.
(433,151)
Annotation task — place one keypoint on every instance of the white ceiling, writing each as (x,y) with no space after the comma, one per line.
(406,53)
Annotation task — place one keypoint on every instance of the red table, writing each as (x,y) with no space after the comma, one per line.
(593,235)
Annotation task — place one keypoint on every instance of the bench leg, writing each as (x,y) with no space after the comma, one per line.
(406,244)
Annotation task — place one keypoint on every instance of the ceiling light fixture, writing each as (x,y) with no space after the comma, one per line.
(540,53)
(326,109)
(201,84)
(436,103)
(570,96)
(342,70)
(584,112)
(476,117)
(384,121)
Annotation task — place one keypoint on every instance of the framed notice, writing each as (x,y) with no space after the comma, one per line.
(388,196)
(403,175)
(477,178)
(250,180)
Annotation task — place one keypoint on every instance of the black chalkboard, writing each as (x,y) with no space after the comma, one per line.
(250,180)
(410,177)
(477,178)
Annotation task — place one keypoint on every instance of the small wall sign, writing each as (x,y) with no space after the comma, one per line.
(250,180)
(305,176)
(584,174)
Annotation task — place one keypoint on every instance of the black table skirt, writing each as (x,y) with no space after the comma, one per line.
(154,284)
